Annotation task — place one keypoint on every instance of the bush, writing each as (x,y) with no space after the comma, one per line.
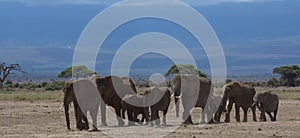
(44,84)
(55,85)
(17,85)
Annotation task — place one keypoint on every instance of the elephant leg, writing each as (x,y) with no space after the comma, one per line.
(130,117)
(203,117)
(237,113)
(165,117)
(263,116)
(146,113)
(135,115)
(78,116)
(187,117)
(94,119)
(86,122)
(118,116)
(275,114)
(229,108)
(103,113)
(157,118)
(217,117)
(143,117)
(66,105)
(253,109)
(271,117)
(245,114)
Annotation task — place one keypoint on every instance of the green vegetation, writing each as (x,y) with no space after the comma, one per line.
(289,74)
(184,69)
(51,86)
(76,71)
(289,95)
(6,69)
(29,95)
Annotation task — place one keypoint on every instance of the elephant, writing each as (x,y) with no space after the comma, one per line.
(134,105)
(242,95)
(194,91)
(158,99)
(267,102)
(112,89)
(85,97)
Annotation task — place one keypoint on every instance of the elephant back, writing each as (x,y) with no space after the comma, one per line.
(134,99)
(270,101)
(245,95)
(129,85)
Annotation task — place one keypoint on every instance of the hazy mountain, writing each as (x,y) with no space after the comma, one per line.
(256,36)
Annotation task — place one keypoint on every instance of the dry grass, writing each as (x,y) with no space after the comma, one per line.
(284,93)
(33,95)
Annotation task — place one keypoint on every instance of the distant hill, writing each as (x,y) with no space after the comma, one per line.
(256,37)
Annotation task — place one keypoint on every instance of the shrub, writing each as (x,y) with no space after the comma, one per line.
(55,85)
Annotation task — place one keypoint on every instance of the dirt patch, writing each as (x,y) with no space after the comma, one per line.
(44,119)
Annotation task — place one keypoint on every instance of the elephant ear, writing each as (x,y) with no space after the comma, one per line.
(100,82)
(190,85)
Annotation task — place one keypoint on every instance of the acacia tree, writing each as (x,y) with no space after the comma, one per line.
(185,69)
(6,69)
(289,74)
(76,71)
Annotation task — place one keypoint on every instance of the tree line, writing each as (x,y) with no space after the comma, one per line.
(289,76)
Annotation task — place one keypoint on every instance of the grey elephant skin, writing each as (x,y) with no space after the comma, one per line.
(194,91)
(242,96)
(158,99)
(112,89)
(85,97)
(134,104)
(267,102)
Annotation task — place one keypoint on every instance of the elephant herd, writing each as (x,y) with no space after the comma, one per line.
(189,90)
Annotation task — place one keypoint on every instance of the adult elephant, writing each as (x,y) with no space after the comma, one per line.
(194,92)
(242,95)
(85,97)
(267,102)
(112,89)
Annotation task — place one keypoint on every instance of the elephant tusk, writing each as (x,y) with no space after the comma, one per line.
(178,96)
(172,95)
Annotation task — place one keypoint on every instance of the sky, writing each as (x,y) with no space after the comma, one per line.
(256,35)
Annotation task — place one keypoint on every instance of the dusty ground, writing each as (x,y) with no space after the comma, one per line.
(43,119)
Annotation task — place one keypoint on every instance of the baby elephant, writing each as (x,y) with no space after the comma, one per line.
(134,105)
(159,100)
(267,102)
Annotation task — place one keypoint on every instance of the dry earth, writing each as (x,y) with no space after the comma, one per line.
(44,119)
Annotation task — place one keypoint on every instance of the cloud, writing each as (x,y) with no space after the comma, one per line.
(110,2)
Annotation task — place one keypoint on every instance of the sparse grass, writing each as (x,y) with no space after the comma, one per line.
(27,96)
(289,95)
(284,93)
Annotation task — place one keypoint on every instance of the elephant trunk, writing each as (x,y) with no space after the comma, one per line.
(177,105)
(67,115)
(123,109)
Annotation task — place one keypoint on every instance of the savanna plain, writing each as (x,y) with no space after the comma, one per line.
(38,114)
